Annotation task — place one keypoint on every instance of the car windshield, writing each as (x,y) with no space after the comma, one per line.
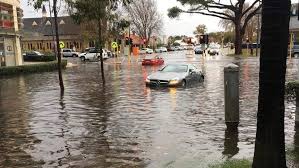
(38,53)
(214,47)
(175,68)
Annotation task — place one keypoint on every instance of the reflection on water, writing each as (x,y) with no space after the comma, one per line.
(124,123)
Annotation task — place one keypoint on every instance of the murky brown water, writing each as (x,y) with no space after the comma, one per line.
(125,124)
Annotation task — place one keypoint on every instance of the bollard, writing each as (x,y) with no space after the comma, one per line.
(231,94)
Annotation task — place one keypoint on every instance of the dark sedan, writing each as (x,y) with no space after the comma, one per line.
(198,50)
(175,75)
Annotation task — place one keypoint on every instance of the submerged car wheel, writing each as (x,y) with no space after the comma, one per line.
(82,58)
(184,83)
(202,78)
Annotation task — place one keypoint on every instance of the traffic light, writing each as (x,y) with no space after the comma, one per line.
(131,41)
(204,39)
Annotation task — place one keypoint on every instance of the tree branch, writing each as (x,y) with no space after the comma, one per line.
(208,14)
(247,19)
(250,7)
(220,13)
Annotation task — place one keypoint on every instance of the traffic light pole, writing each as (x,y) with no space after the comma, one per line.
(129,42)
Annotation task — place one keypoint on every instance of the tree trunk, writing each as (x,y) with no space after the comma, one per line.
(238,38)
(58,47)
(270,139)
(101,50)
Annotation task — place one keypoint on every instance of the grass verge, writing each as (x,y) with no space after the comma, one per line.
(234,163)
(33,68)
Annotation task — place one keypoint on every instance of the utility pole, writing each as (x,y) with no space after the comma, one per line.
(52,30)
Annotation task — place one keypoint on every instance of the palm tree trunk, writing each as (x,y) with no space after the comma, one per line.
(270,141)
(58,47)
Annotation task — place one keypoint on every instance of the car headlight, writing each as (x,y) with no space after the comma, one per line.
(174,81)
(147,80)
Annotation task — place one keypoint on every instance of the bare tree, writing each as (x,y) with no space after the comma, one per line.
(250,29)
(216,8)
(37,4)
(145,18)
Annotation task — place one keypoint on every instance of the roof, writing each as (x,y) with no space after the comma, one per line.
(42,26)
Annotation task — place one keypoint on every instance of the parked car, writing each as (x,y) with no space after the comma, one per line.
(171,48)
(295,51)
(92,54)
(198,50)
(178,48)
(32,55)
(146,51)
(69,53)
(214,50)
(156,60)
(175,75)
(161,49)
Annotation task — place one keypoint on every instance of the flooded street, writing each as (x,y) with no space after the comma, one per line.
(124,123)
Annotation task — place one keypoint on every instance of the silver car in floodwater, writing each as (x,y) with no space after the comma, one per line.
(175,75)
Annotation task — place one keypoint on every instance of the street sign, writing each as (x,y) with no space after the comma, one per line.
(61,44)
(114,45)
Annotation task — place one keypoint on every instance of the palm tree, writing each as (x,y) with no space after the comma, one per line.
(270,141)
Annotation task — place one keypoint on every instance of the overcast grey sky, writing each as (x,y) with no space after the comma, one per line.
(184,25)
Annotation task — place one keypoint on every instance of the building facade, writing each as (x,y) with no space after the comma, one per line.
(294,22)
(10,25)
(39,34)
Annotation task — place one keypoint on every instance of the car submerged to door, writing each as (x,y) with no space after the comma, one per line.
(93,54)
(175,75)
(153,60)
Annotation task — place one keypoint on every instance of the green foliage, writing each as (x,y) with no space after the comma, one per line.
(234,163)
(37,4)
(174,12)
(200,29)
(45,58)
(291,89)
(33,68)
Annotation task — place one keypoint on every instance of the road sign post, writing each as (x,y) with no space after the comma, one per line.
(114,45)
(61,44)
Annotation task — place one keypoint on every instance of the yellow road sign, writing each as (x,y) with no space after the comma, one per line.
(61,44)
(114,45)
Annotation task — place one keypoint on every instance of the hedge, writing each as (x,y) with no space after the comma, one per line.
(291,89)
(32,68)
(45,58)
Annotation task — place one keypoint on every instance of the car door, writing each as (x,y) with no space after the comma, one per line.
(91,54)
(66,52)
(194,73)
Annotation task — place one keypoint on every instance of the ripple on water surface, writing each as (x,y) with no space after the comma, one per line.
(125,124)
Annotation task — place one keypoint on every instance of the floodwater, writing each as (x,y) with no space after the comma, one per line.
(124,123)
